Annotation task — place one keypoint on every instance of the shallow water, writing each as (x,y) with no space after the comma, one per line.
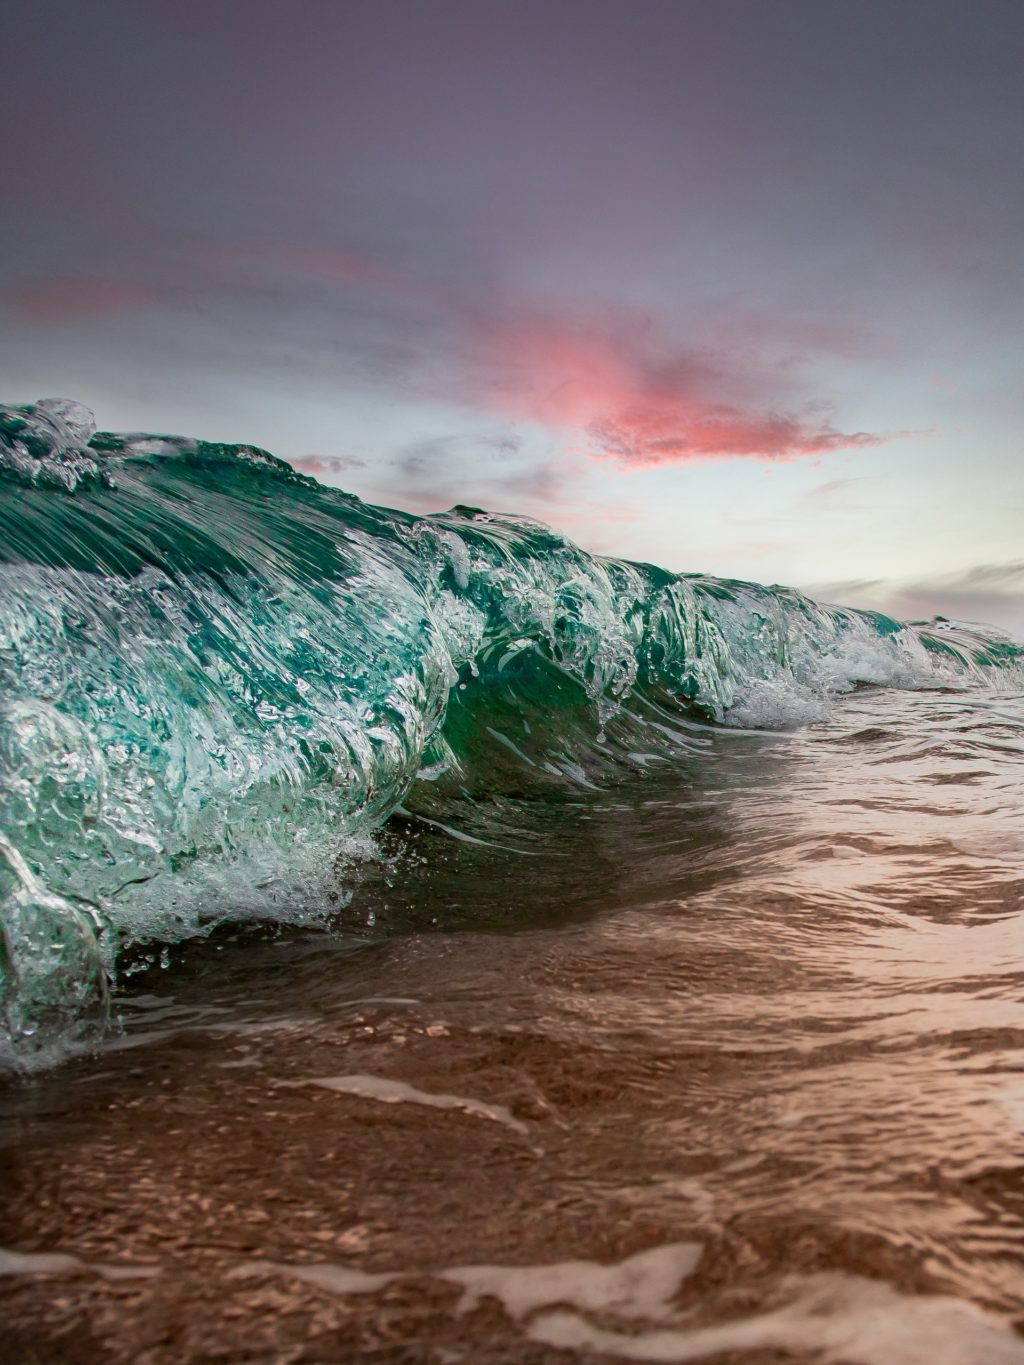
(722,1063)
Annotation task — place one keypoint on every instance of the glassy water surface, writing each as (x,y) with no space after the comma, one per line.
(722,1063)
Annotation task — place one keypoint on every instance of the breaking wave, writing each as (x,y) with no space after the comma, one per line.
(216,673)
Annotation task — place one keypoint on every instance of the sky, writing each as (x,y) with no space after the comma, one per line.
(727,285)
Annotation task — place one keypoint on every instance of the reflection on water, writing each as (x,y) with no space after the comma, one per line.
(730,1068)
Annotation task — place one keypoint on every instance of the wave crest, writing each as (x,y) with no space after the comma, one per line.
(214,671)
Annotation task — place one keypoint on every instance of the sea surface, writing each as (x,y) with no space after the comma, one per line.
(423,941)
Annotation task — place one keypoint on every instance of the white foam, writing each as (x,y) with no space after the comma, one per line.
(641,1286)
(846,1319)
(777,704)
(37,1263)
(398,1092)
(842,1319)
(62,1263)
(124,1272)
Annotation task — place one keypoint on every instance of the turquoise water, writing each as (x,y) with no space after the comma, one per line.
(219,678)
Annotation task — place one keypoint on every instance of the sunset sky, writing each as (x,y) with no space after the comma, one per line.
(727,285)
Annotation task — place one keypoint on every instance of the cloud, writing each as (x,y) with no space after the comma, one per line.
(633,395)
(605,382)
(642,402)
(325,467)
(791,335)
(989,593)
(831,496)
(846,589)
(496,471)
(77,298)
(324,263)
(1001,578)
(487,468)
(686,428)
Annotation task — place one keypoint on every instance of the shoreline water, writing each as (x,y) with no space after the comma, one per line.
(758,1026)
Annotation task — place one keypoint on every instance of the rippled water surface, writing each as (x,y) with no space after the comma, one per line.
(722,1063)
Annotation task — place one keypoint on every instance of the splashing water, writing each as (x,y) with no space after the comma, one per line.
(217,674)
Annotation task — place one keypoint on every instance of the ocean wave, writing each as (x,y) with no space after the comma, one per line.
(216,673)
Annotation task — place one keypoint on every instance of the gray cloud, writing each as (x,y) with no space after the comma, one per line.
(992,594)
(830,495)
(490,469)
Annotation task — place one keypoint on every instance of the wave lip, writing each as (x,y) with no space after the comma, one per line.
(215,671)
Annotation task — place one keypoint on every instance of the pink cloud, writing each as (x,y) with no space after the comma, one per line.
(637,400)
(326,466)
(643,404)
(690,429)
(74,299)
